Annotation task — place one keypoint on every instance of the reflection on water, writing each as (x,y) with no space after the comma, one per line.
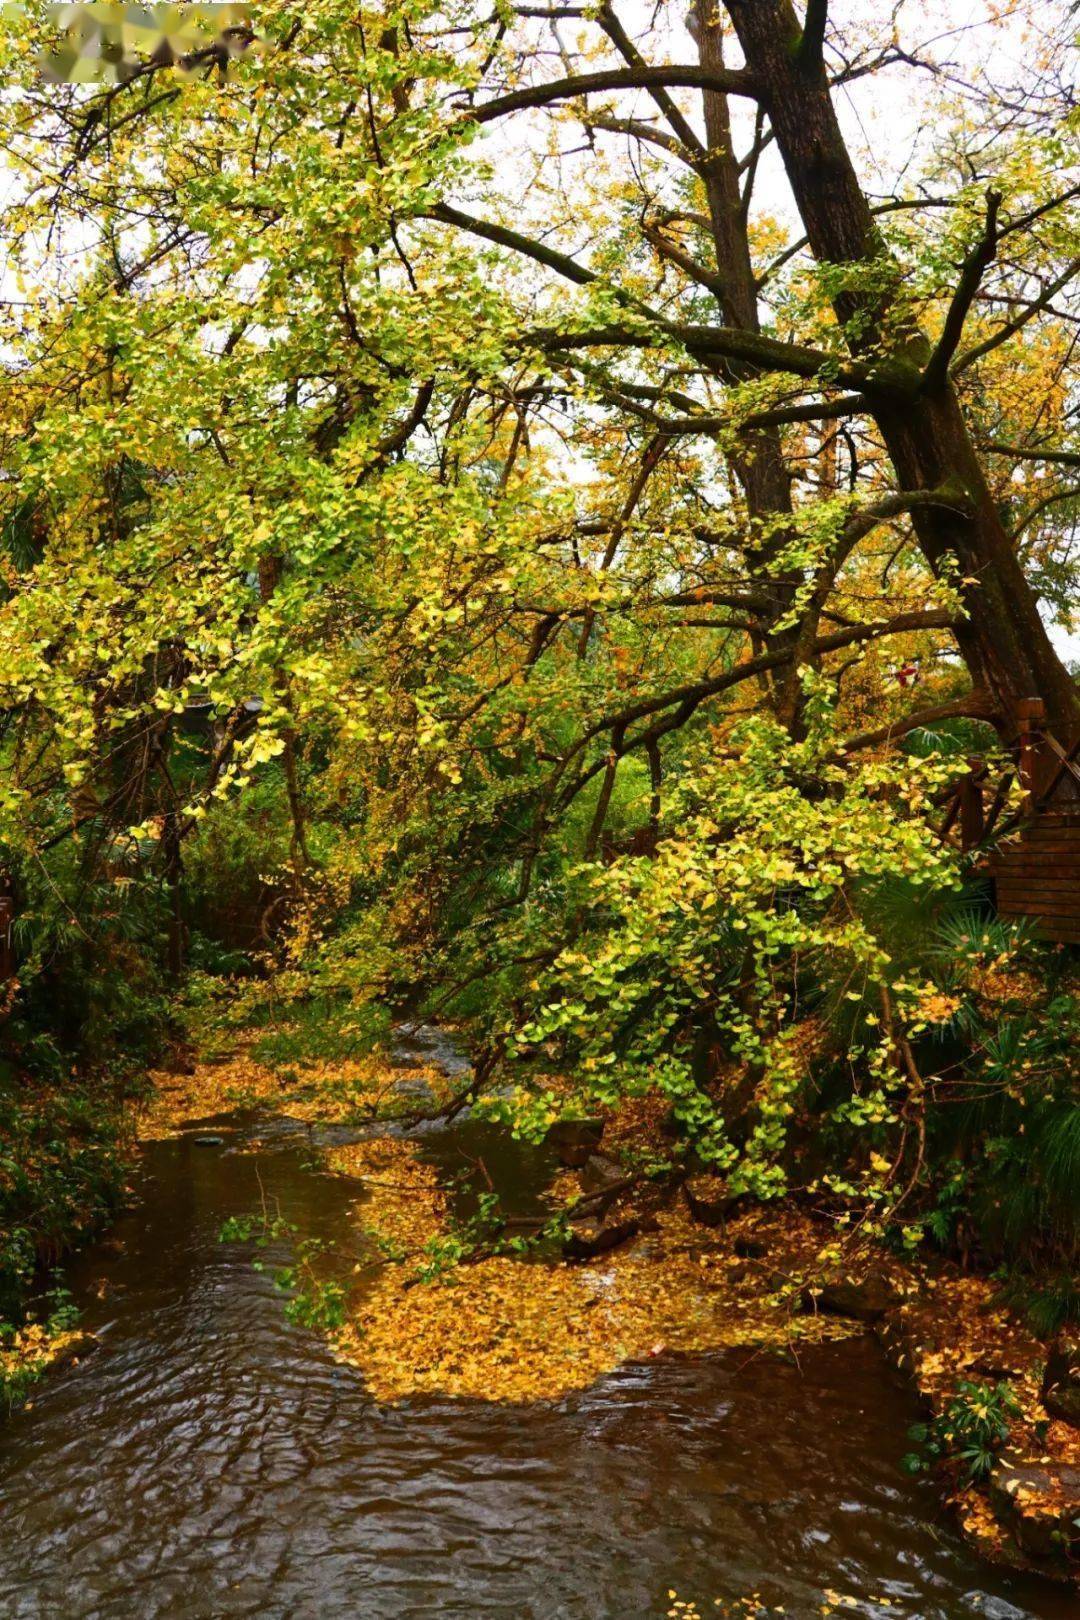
(209,1460)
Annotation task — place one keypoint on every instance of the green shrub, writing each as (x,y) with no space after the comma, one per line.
(62,1169)
(968,1435)
(324,1028)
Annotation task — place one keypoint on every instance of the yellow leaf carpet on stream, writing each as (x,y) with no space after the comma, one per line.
(509,1329)
(503,1328)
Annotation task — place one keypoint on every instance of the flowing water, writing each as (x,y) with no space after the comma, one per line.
(210,1460)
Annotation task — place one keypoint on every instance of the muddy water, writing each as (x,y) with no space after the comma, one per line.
(209,1460)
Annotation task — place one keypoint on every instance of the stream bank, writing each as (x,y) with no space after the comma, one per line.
(697,1275)
(211,1458)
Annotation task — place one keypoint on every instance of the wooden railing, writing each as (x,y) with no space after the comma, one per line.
(1047,770)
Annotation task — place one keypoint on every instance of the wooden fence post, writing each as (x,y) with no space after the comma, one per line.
(972,813)
(1031,718)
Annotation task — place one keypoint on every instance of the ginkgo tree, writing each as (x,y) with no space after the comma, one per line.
(521,439)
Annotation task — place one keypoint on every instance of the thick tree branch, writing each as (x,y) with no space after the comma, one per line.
(399,436)
(1059,458)
(975,706)
(687,700)
(708,596)
(824,410)
(696,692)
(561,263)
(711,424)
(896,206)
(685,216)
(630,54)
(1010,329)
(812,44)
(698,421)
(642,131)
(714,343)
(689,76)
(862,521)
(981,256)
(689,266)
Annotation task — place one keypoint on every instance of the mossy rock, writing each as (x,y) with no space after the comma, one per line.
(575,1140)
(1040,1503)
(1061,1381)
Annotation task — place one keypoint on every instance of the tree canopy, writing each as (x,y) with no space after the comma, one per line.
(553,474)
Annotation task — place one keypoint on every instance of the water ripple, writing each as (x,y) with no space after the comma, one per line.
(210,1461)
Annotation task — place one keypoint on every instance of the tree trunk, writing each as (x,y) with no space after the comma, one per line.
(1003,641)
(761,470)
(270,569)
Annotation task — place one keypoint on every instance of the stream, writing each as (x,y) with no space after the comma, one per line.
(210,1460)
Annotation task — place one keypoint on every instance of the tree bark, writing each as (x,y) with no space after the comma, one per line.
(761,470)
